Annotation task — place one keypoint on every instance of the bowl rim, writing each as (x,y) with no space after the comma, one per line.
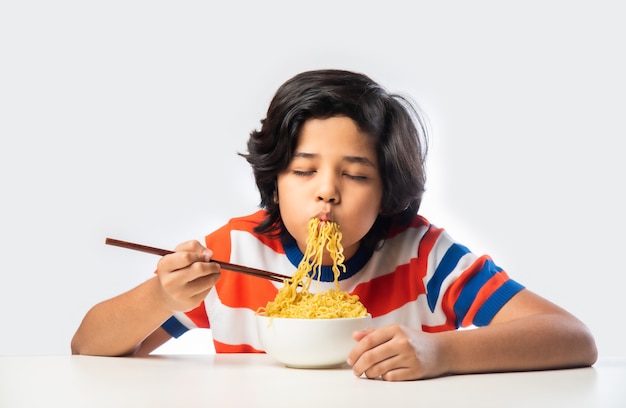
(263,316)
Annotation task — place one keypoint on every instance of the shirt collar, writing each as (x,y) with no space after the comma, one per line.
(353,265)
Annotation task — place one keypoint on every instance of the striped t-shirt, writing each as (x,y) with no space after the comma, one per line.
(420,278)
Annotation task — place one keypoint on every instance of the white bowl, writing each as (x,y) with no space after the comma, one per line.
(309,343)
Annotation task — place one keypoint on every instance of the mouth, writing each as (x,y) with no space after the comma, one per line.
(324,217)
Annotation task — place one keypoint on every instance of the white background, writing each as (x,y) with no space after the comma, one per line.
(123,119)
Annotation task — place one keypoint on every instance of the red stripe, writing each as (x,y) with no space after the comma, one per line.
(199,316)
(389,292)
(426,246)
(238,290)
(454,291)
(417,222)
(234,348)
(437,329)
(493,284)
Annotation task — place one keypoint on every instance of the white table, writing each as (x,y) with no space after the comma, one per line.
(256,380)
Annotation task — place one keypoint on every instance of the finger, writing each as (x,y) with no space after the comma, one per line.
(205,280)
(186,288)
(189,246)
(184,283)
(372,348)
(178,261)
(371,338)
(399,374)
(393,368)
(358,335)
(374,362)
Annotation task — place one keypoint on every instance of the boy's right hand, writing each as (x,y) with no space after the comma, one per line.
(187,276)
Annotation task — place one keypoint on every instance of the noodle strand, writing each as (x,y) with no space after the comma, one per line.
(294,302)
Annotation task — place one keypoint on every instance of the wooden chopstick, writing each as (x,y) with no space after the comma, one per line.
(276,277)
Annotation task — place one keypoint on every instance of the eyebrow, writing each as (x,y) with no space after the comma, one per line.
(350,159)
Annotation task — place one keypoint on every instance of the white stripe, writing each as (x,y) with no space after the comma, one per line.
(185,321)
(232,325)
(398,250)
(248,250)
(237,325)
(443,244)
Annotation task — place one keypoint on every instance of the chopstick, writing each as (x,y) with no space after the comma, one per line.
(276,277)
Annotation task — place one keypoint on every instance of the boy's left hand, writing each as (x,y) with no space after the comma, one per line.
(395,353)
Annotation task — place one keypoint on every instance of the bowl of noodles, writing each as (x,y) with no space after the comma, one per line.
(309,343)
(302,329)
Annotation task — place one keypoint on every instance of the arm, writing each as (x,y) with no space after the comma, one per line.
(130,323)
(528,333)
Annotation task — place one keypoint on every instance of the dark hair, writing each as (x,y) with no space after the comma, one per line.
(390,119)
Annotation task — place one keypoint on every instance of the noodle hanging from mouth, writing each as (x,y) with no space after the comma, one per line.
(297,302)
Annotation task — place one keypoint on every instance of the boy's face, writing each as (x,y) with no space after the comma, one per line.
(333,176)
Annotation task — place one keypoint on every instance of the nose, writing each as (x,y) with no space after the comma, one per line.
(327,189)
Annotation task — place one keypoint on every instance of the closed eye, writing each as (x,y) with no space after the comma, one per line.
(356,178)
(302,173)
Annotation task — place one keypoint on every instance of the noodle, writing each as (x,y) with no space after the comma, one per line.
(333,303)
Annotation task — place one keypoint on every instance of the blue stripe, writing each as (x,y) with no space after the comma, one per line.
(471,289)
(495,302)
(174,327)
(447,265)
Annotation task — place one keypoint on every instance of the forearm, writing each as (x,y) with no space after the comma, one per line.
(542,341)
(119,325)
